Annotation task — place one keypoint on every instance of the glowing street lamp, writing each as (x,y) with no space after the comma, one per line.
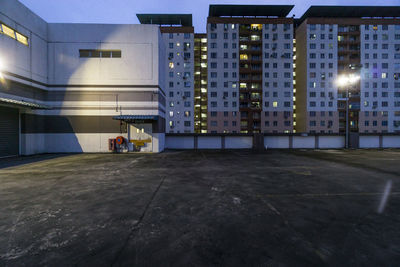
(347,81)
(1,68)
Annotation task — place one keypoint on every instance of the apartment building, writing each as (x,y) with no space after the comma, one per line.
(72,87)
(178,34)
(250,69)
(200,83)
(359,42)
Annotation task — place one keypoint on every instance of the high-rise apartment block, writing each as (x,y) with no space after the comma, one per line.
(200,83)
(256,70)
(250,69)
(178,35)
(361,43)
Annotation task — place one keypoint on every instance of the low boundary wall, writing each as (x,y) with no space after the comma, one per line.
(277,141)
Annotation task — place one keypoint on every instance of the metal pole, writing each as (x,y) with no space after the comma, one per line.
(347,117)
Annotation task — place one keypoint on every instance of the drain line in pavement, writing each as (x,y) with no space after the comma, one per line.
(136,226)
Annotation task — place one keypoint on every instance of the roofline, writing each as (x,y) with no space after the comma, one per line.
(246,10)
(166,19)
(372,12)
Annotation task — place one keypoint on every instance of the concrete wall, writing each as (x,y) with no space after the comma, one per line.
(66,143)
(231,141)
(276,142)
(380,141)
(238,142)
(28,61)
(50,71)
(369,141)
(138,64)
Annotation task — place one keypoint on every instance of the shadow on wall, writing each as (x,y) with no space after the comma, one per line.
(18,161)
(48,134)
(70,134)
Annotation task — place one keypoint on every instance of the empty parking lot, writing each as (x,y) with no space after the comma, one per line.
(205,208)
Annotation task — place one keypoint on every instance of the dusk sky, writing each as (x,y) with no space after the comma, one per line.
(124,11)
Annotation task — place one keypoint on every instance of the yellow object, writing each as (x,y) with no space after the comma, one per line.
(22,39)
(140,142)
(8,31)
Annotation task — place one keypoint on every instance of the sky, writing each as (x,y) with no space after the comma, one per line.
(124,11)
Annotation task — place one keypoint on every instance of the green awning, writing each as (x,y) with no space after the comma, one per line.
(134,118)
(22,103)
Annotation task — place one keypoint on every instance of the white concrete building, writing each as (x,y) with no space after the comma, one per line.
(72,87)
(178,35)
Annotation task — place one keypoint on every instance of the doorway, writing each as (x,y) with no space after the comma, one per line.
(141,137)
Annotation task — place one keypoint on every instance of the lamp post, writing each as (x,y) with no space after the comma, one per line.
(347,81)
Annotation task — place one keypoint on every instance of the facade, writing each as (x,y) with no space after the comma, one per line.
(200,83)
(178,36)
(75,87)
(250,69)
(72,87)
(359,41)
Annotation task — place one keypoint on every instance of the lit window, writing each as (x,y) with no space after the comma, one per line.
(384,75)
(275,104)
(22,39)
(171,65)
(178,44)
(171,114)
(8,31)
(256,26)
(243,57)
(255,37)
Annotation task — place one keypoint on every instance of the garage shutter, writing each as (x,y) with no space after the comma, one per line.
(9,132)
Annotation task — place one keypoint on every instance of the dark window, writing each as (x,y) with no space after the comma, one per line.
(85,53)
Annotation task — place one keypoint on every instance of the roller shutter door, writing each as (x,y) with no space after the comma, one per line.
(9,132)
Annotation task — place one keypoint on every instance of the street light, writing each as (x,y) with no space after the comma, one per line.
(1,68)
(346,81)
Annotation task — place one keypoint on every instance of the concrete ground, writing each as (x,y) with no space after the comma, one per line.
(208,208)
